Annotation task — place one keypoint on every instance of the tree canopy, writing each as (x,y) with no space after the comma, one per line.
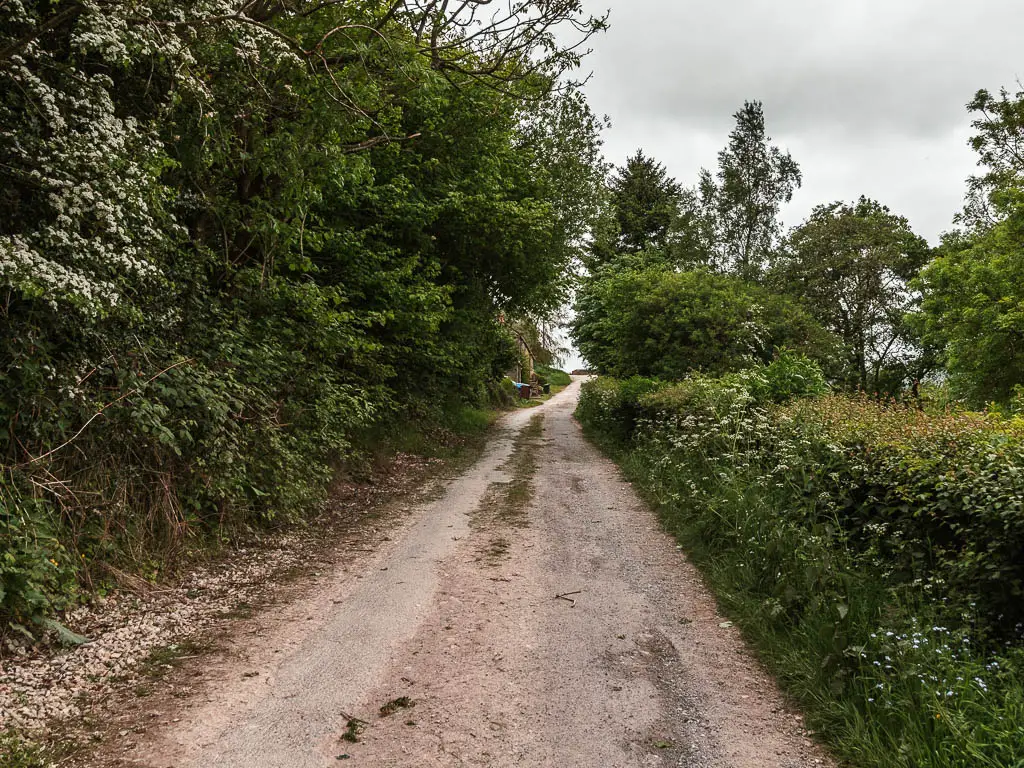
(736,211)
(235,235)
(973,292)
(667,324)
(851,263)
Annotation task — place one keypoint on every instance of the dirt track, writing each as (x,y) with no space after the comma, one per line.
(458,614)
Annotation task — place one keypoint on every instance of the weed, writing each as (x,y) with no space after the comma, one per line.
(160,661)
(497,548)
(402,702)
(508,502)
(16,752)
(19,751)
(353,728)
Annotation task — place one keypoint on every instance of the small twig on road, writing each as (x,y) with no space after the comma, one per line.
(565,596)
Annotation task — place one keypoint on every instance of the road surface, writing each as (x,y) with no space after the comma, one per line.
(453,627)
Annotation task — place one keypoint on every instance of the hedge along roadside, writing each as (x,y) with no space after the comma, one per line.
(233,245)
(871,552)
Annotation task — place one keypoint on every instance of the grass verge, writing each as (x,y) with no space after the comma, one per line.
(893,667)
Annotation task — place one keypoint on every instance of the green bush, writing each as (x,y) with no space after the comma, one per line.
(37,574)
(611,408)
(875,553)
(790,375)
(553,376)
(667,324)
(940,497)
(504,394)
(16,752)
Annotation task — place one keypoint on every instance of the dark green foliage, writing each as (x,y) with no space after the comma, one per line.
(666,324)
(674,283)
(553,376)
(973,304)
(234,249)
(506,393)
(36,571)
(790,375)
(851,264)
(17,752)
(644,200)
(611,407)
(735,213)
(973,309)
(999,122)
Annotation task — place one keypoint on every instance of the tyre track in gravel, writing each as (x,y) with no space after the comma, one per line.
(458,617)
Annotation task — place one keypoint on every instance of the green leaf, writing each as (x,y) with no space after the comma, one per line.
(66,636)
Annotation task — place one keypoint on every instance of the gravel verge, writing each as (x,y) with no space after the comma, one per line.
(58,698)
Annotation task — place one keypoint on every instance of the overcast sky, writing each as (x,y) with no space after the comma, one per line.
(867,95)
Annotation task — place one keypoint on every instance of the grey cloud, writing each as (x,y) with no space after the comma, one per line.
(868,66)
(868,95)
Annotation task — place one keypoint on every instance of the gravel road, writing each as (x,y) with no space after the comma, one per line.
(454,628)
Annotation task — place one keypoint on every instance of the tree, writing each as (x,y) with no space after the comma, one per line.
(973,292)
(236,235)
(562,137)
(999,142)
(734,214)
(851,264)
(643,200)
(662,323)
(973,309)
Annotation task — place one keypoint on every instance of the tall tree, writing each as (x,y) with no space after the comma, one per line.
(999,142)
(236,233)
(645,201)
(735,213)
(852,264)
(973,292)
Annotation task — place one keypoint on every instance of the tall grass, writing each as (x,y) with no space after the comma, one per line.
(553,376)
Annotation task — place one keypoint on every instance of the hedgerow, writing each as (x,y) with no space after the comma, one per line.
(239,241)
(873,553)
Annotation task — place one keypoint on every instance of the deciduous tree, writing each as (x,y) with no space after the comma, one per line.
(734,214)
(851,264)
(662,323)
(973,304)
